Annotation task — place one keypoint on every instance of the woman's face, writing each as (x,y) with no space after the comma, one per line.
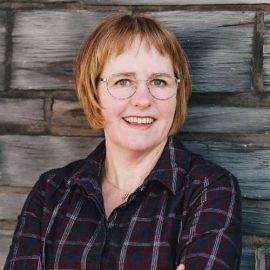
(141,122)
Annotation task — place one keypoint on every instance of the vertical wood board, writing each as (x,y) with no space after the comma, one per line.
(21,111)
(250,163)
(218,45)
(45,46)
(24,158)
(2,48)
(266,50)
(219,119)
(248,259)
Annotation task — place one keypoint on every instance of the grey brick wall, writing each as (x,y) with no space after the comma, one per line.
(42,125)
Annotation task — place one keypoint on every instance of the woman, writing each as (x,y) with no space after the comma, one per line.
(140,200)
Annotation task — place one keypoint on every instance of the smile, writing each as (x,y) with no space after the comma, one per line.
(139,120)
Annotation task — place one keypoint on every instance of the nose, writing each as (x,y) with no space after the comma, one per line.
(142,97)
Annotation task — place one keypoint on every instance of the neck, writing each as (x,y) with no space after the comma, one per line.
(127,169)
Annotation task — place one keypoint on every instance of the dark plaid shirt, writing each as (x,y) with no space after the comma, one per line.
(187,210)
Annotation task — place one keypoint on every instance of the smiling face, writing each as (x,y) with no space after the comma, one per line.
(141,122)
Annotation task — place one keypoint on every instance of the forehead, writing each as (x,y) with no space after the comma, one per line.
(139,58)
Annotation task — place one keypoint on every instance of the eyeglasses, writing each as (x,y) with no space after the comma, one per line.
(124,86)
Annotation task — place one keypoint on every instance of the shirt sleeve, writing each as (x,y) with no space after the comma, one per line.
(25,250)
(211,231)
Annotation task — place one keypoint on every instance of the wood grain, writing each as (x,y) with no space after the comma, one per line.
(5,240)
(2,48)
(248,259)
(158,2)
(21,111)
(45,45)
(24,158)
(68,119)
(218,45)
(256,221)
(11,205)
(250,163)
(221,119)
(266,49)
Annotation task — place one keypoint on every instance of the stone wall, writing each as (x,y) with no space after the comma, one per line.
(42,125)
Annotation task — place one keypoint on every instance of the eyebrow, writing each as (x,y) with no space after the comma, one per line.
(133,74)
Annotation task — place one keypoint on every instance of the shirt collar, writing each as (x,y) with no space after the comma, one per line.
(170,169)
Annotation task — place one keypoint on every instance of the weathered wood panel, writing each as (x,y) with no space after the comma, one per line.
(5,240)
(24,158)
(45,45)
(21,111)
(216,119)
(266,50)
(68,119)
(2,48)
(256,221)
(248,259)
(157,2)
(250,163)
(11,205)
(218,45)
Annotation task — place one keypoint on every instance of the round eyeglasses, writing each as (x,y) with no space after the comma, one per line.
(124,86)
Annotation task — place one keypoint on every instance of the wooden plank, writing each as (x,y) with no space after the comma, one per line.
(2,48)
(250,163)
(219,119)
(11,205)
(266,50)
(248,259)
(5,240)
(24,158)
(45,45)
(21,111)
(68,119)
(256,221)
(218,45)
(158,2)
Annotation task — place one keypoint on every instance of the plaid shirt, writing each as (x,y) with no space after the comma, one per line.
(187,210)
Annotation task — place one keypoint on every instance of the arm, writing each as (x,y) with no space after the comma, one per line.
(211,236)
(25,251)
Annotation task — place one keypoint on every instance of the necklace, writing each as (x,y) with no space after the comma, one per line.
(125,193)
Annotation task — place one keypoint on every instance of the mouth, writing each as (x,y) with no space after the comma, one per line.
(139,120)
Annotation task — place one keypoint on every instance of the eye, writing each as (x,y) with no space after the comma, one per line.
(123,82)
(158,83)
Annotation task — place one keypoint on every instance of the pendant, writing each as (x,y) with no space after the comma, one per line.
(124,197)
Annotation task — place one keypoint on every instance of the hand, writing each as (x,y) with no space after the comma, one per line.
(180,267)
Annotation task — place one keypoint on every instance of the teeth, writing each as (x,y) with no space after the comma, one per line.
(139,120)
